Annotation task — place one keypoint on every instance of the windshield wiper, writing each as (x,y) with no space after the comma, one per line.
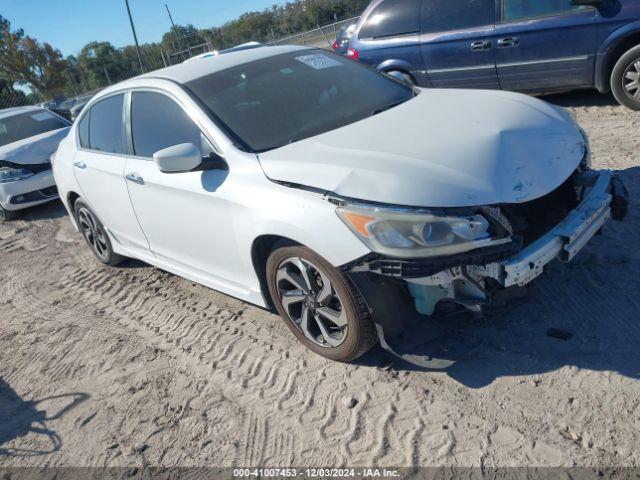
(388,107)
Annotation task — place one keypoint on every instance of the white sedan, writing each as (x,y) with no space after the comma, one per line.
(28,137)
(297,179)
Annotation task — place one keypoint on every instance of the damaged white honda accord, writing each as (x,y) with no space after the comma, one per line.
(297,179)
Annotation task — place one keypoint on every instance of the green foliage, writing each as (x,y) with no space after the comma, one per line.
(281,21)
(27,61)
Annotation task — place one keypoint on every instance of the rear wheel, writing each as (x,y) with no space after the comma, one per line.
(625,79)
(319,304)
(95,234)
(8,215)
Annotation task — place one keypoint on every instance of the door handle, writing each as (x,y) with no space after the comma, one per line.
(481,45)
(508,42)
(135,178)
(80,165)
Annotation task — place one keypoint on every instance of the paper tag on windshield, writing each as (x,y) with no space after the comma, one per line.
(319,61)
(42,116)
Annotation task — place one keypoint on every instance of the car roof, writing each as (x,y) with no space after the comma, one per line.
(9,112)
(186,72)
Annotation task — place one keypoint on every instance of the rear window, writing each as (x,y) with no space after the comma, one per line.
(443,15)
(106,125)
(392,18)
(272,102)
(515,9)
(29,124)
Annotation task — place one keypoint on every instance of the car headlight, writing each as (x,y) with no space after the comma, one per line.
(408,233)
(9,174)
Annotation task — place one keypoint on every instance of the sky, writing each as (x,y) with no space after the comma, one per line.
(70,24)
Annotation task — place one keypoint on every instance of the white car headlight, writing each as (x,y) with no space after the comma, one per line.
(8,174)
(408,233)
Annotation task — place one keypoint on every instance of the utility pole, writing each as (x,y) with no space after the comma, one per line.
(135,37)
(173,26)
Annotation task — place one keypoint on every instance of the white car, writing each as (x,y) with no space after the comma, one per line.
(28,138)
(299,179)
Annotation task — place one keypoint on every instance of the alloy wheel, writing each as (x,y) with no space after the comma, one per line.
(631,80)
(93,233)
(311,302)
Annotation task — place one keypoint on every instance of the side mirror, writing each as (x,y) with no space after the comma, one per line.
(178,158)
(587,3)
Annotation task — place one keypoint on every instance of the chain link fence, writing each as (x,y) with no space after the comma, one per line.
(321,37)
(10,100)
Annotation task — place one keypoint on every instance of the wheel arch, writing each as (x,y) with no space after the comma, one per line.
(70,200)
(614,47)
(261,248)
(398,65)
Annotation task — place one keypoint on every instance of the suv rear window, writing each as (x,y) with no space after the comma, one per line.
(444,15)
(392,18)
(28,124)
(514,9)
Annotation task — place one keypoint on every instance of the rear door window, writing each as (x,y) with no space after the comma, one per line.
(158,122)
(83,131)
(392,18)
(515,9)
(106,126)
(444,15)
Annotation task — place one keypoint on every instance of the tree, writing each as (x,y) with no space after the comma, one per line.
(100,64)
(27,61)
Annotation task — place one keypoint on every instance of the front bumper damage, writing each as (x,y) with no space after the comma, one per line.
(400,292)
(35,190)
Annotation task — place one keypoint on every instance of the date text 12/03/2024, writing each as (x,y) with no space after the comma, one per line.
(316,472)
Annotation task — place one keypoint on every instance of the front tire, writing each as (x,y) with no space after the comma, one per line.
(319,304)
(8,215)
(95,234)
(625,79)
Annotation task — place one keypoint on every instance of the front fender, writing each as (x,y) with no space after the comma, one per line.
(608,48)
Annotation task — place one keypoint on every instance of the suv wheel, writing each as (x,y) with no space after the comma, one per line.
(95,234)
(625,79)
(319,304)
(7,215)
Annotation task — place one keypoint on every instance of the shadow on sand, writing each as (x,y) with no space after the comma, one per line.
(581,98)
(19,418)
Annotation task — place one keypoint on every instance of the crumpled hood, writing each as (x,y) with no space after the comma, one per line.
(33,150)
(443,148)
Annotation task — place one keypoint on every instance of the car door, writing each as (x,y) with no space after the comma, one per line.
(185,215)
(99,167)
(457,43)
(389,37)
(545,45)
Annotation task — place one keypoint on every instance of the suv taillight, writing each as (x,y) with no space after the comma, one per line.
(352,53)
(334,45)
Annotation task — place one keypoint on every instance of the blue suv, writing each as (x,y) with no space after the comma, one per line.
(536,46)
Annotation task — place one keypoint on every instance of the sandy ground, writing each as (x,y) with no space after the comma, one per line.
(132,366)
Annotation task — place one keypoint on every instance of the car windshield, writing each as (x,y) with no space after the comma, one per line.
(28,124)
(272,102)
